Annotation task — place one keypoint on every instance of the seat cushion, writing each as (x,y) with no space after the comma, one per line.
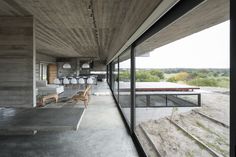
(50,90)
(41,83)
(53,85)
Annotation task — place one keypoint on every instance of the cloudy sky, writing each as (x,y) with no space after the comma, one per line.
(206,49)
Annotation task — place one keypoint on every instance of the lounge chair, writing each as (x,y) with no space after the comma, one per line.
(83,96)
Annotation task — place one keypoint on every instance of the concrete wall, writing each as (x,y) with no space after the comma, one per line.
(17,62)
(42,58)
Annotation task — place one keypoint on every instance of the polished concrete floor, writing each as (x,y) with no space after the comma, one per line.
(13,120)
(100,134)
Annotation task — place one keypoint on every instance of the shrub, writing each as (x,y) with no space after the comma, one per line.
(204,82)
(182,76)
(124,75)
(172,79)
(145,76)
(193,75)
(157,73)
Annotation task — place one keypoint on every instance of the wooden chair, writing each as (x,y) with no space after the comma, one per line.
(83,96)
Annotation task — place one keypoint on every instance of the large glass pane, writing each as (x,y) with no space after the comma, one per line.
(124,84)
(112,76)
(107,75)
(116,78)
(171,82)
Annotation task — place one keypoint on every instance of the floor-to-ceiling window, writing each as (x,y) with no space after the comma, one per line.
(171,82)
(115,77)
(108,74)
(181,92)
(124,83)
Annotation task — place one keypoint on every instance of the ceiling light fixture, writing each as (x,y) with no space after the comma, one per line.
(66,66)
(85,66)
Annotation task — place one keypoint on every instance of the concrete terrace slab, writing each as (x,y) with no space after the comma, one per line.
(45,119)
(101,134)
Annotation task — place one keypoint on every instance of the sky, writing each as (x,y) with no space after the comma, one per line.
(206,49)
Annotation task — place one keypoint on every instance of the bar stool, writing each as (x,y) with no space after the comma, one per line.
(57,81)
(74,82)
(81,82)
(66,82)
(90,82)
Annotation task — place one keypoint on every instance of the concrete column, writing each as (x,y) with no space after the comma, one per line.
(17,62)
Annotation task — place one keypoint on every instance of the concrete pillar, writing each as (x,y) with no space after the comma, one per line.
(17,62)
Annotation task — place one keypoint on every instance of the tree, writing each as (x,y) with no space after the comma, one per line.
(204,82)
(124,76)
(172,79)
(157,73)
(145,76)
(182,76)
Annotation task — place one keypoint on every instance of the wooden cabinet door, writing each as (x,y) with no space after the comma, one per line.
(52,73)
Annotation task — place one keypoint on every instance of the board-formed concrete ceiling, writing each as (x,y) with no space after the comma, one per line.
(99,28)
(81,28)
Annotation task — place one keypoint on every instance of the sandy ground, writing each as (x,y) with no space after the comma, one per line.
(212,134)
(171,141)
(167,139)
(216,103)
